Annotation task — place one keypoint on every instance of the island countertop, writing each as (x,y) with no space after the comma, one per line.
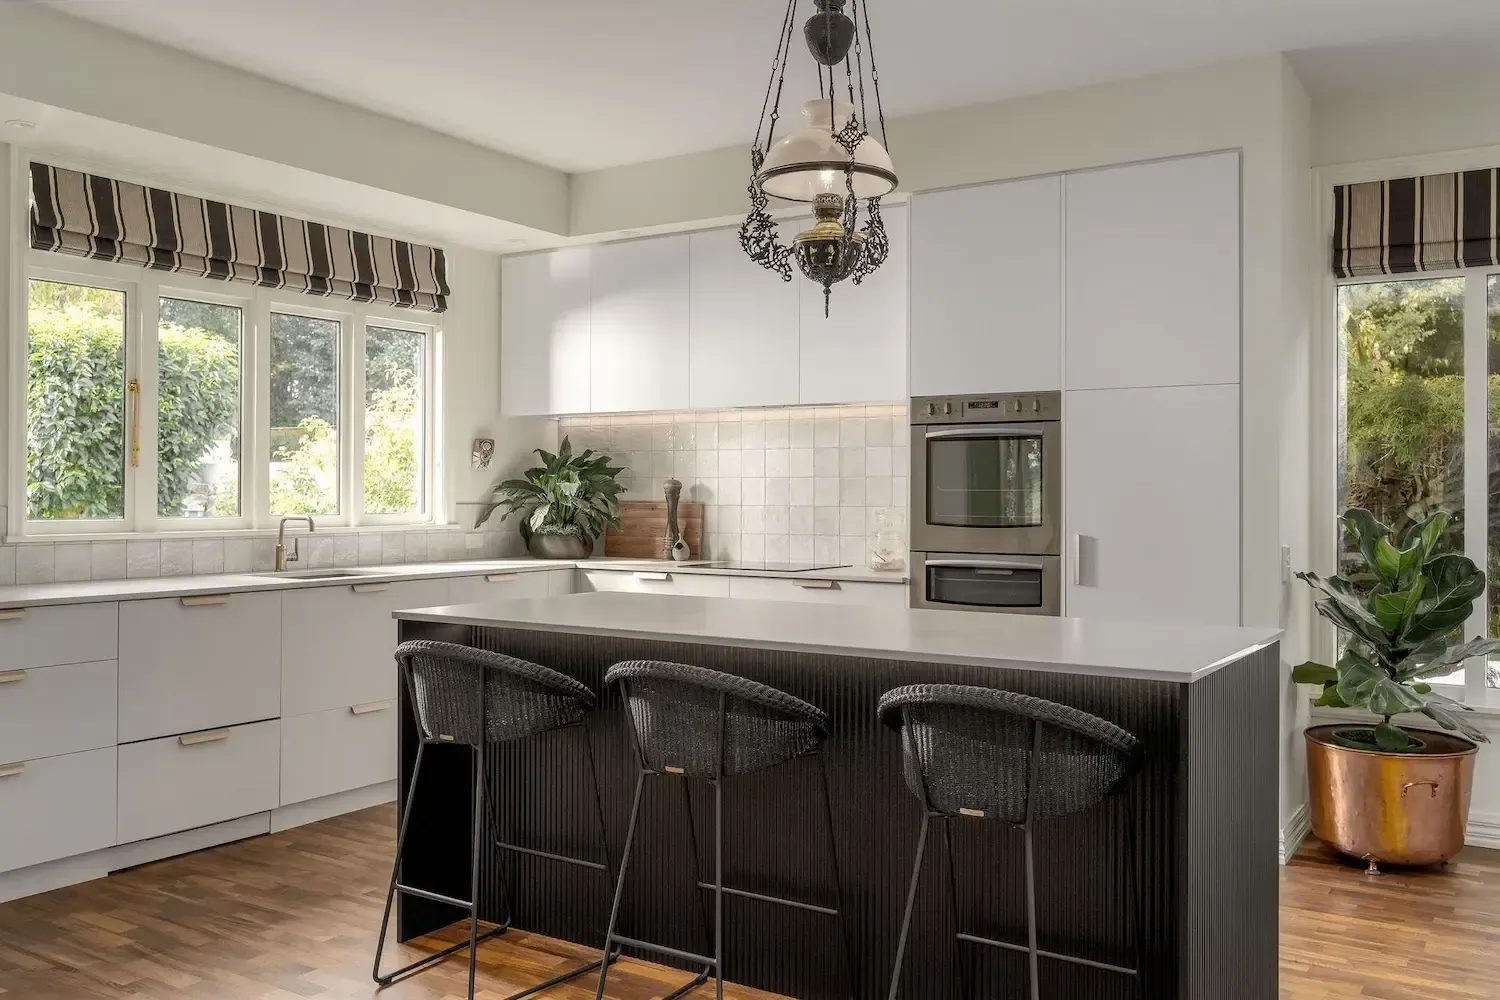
(1133,650)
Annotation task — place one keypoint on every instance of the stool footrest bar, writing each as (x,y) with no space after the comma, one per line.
(686,956)
(596,866)
(1043,953)
(435,897)
(778,900)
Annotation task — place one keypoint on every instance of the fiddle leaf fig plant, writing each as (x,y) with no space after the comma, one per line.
(1399,630)
(568,494)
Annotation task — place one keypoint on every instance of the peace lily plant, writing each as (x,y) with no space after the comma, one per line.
(1400,632)
(568,494)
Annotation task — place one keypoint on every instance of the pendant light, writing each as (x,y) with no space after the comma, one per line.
(832,162)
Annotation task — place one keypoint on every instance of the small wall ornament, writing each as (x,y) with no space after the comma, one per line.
(483,453)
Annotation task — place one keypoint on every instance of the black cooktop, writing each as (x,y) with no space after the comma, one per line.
(772,566)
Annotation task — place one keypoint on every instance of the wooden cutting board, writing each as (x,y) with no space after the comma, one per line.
(643,530)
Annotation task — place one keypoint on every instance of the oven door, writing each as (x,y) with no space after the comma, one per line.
(987,488)
(1018,585)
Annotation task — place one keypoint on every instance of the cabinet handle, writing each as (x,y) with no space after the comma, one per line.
(815,584)
(658,577)
(6,770)
(502,577)
(204,600)
(369,707)
(207,736)
(12,614)
(12,676)
(1075,556)
(369,588)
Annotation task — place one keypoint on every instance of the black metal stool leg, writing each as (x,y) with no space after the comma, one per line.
(390,896)
(1034,974)
(965,985)
(838,882)
(718,889)
(614,910)
(475,846)
(911,898)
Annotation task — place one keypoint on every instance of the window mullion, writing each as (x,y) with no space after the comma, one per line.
(141,357)
(1476,461)
(353,442)
(256,461)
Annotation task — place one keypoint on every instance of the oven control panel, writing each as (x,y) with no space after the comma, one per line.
(1009,407)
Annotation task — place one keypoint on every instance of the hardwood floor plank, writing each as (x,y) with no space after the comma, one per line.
(293,916)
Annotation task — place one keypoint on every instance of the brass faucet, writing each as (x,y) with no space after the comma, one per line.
(281,557)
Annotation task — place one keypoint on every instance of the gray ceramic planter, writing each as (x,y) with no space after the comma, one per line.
(560,547)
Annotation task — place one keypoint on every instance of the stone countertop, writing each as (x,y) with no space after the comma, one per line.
(86,592)
(1135,650)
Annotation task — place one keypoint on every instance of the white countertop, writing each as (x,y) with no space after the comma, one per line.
(1141,651)
(43,594)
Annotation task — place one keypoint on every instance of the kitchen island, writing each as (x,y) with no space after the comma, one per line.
(1201,814)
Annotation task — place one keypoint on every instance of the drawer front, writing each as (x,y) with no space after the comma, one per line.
(334,751)
(499,587)
(191,666)
(44,637)
(184,782)
(685,584)
(57,807)
(337,643)
(760,588)
(56,710)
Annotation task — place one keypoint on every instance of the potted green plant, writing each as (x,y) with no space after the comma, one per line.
(1385,792)
(566,502)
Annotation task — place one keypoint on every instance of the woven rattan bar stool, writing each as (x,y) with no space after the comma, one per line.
(473,697)
(691,722)
(994,755)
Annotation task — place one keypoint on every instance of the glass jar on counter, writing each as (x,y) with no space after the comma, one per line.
(887,543)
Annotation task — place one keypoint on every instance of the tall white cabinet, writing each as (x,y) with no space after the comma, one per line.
(545,318)
(744,327)
(639,340)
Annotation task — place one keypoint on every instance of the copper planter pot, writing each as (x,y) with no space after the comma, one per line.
(1396,808)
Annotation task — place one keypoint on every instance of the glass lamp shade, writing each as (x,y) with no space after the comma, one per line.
(810,161)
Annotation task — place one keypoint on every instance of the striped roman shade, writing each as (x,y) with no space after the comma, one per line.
(1435,223)
(89,216)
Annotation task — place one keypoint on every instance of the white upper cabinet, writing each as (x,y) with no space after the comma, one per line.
(544,339)
(986,289)
(744,327)
(639,326)
(1153,274)
(858,353)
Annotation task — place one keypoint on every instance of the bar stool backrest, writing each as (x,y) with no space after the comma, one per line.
(447,680)
(969,751)
(674,708)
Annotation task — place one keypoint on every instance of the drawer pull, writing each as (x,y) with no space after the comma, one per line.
(207,736)
(12,614)
(204,600)
(655,577)
(12,676)
(369,707)
(502,577)
(6,770)
(370,588)
(816,584)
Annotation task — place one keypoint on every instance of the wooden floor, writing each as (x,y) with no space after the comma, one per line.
(294,916)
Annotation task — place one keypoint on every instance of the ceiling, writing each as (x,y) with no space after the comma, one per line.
(587,84)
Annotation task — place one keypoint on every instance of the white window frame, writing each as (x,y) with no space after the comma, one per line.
(1324,533)
(143,288)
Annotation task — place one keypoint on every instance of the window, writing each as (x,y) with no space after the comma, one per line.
(304,414)
(395,421)
(1415,435)
(161,403)
(75,402)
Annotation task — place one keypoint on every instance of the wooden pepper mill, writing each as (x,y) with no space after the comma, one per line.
(673,490)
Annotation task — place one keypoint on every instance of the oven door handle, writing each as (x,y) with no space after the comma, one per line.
(1005,564)
(989,431)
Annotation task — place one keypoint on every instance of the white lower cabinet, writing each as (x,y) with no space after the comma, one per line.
(337,642)
(48,711)
(198,779)
(196,663)
(653,582)
(500,587)
(72,633)
(760,588)
(329,752)
(56,807)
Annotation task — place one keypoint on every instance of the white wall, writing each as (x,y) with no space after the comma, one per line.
(1448,115)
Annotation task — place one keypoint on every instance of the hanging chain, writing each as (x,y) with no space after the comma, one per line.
(783,53)
(874,75)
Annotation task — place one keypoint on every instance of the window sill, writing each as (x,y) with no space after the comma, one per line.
(166,536)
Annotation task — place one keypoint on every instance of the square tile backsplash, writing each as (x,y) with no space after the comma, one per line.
(804,484)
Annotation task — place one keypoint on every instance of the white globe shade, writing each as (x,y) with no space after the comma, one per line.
(810,162)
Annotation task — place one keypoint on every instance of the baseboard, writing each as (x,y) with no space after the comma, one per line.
(1295,832)
(1483,830)
(144,852)
(329,806)
(58,874)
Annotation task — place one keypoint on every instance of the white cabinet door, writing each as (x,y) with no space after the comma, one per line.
(56,710)
(986,289)
(761,588)
(651,582)
(639,326)
(196,663)
(184,782)
(1153,275)
(41,637)
(337,643)
(499,587)
(1153,504)
(857,353)
(744,327)
(57,807)
(330,752)
(544,332)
